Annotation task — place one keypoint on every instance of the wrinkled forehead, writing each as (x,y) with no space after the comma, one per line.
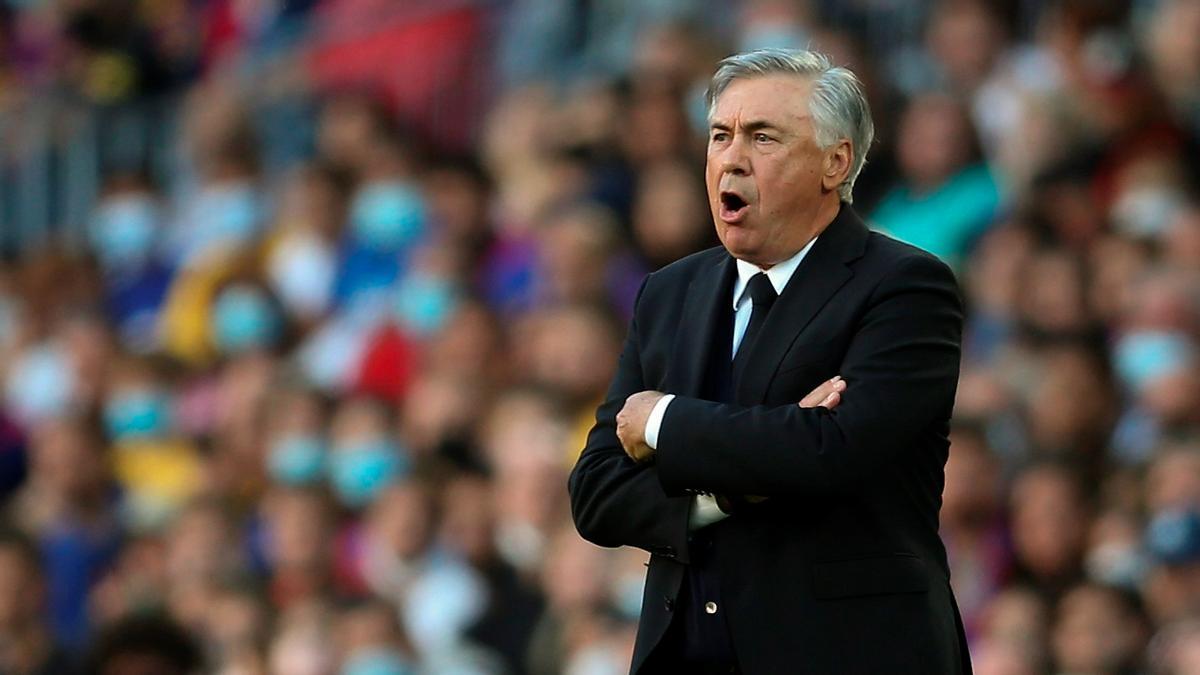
(777,97)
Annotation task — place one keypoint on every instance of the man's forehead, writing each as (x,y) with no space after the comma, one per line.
(778,96)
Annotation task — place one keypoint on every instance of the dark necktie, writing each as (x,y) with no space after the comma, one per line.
(763,295)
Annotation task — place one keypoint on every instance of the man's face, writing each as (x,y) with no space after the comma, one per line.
(764,168)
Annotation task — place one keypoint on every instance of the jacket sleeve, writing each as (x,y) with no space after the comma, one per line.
(615,501)
(901,371)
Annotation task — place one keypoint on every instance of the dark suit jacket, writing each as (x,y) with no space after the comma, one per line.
(841,569)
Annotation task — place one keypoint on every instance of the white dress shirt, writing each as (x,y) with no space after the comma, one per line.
(704,509)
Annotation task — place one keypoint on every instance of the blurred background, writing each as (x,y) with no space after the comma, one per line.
(306,306)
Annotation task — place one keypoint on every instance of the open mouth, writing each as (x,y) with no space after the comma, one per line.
(733,206)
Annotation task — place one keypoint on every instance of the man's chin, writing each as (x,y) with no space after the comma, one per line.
(735,243)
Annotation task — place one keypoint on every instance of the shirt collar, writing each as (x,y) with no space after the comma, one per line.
(779,275)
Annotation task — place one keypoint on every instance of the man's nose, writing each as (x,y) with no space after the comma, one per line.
(734,159)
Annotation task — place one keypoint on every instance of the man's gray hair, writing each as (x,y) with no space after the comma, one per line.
(837,104)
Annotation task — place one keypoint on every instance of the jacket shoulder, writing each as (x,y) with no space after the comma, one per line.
(686,267)
(681,273)
(883,247)
(888,255)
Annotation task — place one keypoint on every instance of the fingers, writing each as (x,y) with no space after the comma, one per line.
(623,434)
(628,442)
(831,401)
(626,423)
(827,395)
(817,395)
(631,439)
(835,397)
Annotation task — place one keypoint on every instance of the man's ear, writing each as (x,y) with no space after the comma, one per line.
(836,167)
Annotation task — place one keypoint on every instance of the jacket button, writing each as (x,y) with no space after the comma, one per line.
(710,607)
(668,603)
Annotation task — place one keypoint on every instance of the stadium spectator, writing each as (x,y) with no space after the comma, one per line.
(305,308)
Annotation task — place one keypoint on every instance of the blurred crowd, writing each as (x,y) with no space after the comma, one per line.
(304,400)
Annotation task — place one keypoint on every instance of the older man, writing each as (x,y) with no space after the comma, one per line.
(785,538)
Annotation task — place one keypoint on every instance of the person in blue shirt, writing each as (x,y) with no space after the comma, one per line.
(124,234)
(946,196)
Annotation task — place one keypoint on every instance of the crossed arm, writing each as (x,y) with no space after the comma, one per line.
(616,495)
(900,370)
(634,416)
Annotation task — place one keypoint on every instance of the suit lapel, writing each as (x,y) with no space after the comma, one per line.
(698,326)
(822,272)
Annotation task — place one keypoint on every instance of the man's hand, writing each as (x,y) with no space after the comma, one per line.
(828,394)
(631,424)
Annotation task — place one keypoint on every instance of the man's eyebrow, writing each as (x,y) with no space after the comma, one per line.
(759,125)
(751,126)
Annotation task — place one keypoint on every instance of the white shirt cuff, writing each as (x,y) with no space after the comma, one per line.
(654,421)
(704,507)
(705,512)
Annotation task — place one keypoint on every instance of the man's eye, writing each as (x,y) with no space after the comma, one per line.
(720,136)
(762,138)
